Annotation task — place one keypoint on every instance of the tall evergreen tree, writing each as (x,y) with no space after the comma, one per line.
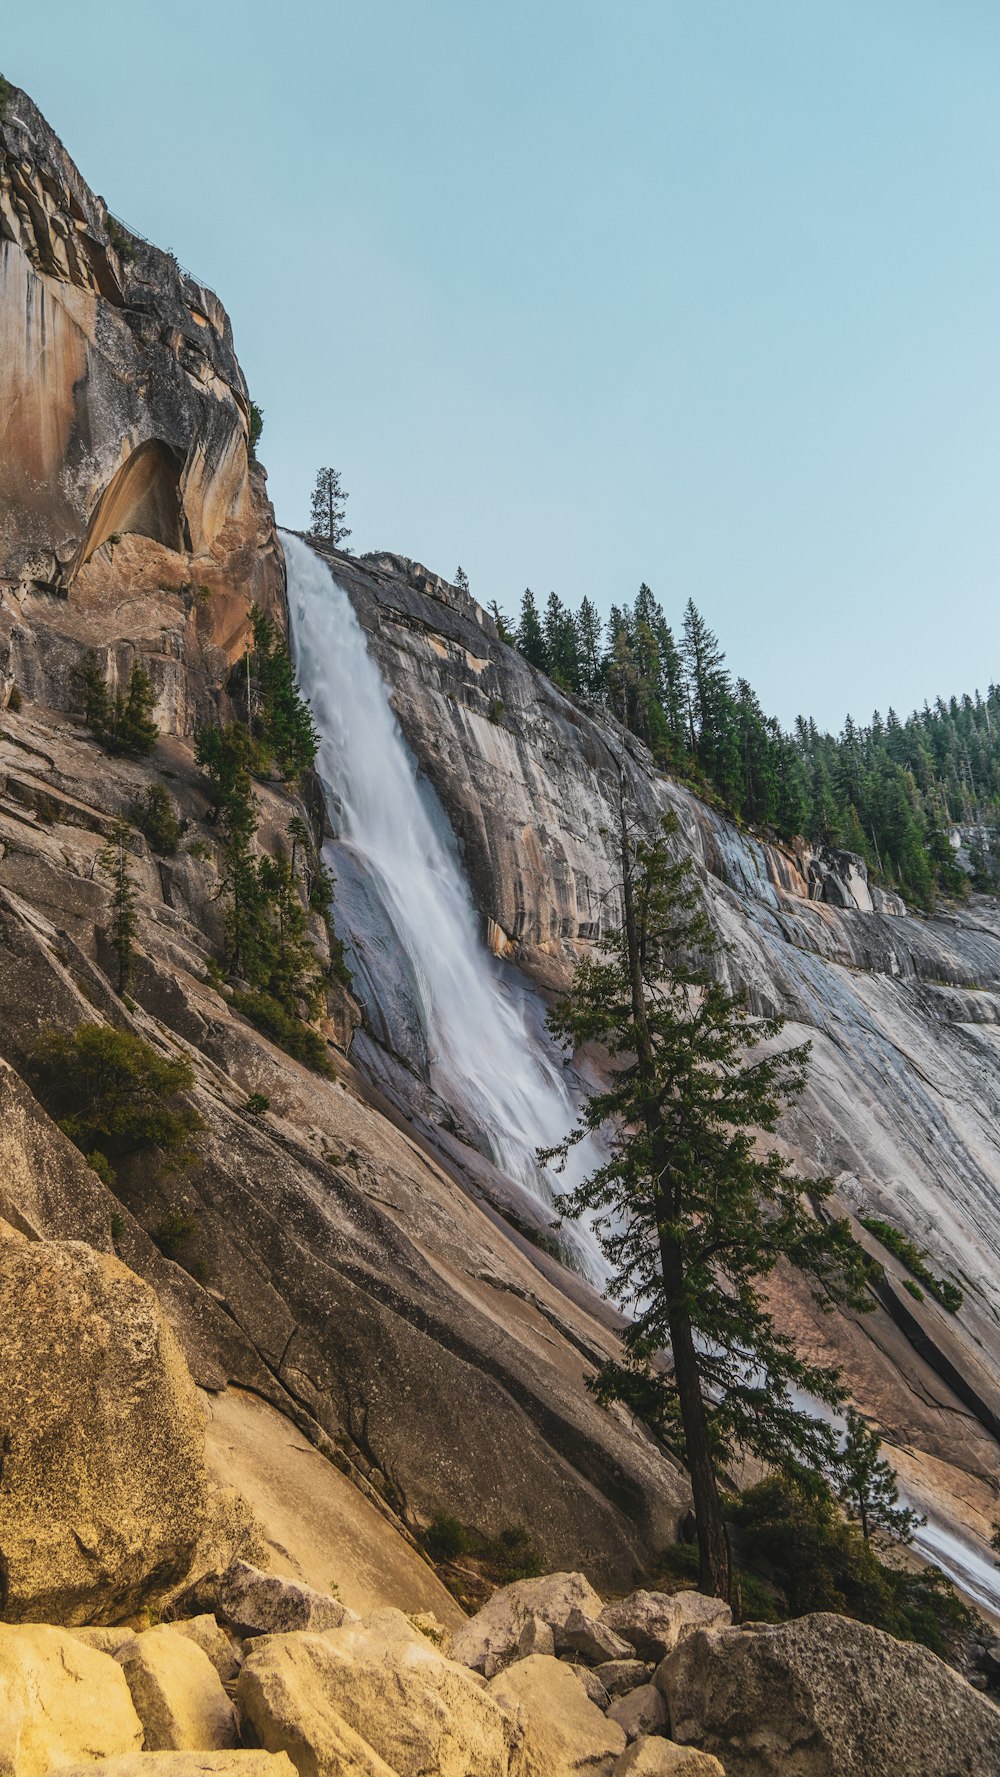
(530,635)
(693,1215)
(115,860)
(589,630)
(328,508)
(560,645)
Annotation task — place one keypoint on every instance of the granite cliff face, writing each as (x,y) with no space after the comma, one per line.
(132,518)
(902,1012)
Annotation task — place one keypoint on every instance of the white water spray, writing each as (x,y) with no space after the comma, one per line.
(487,1056)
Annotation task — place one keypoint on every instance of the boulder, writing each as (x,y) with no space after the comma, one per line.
(177,1693)
(592,1685)
(654,1622)
(619,1676)
(105,1641)
(564,1732)
(535,1638)
(641,1711)
(824,1696)
(497,1628)
(186,1764)
(593,1640)
(663,1758)
(60,1702)
(205,1632)
(103,1488)
(258,1603)
(356,1703)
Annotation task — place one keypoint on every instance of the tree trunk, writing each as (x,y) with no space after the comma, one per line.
(714,1566)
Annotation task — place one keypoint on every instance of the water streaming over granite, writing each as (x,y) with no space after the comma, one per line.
(472,1022)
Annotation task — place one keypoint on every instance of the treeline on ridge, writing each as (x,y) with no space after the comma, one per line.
(891,791)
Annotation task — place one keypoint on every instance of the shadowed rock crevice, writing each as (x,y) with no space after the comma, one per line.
(145,498)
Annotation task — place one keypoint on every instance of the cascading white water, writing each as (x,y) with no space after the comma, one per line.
(488,1056)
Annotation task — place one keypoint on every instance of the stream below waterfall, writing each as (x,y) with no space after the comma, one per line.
(430,988)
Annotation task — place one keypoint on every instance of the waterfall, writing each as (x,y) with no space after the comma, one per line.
(406,909)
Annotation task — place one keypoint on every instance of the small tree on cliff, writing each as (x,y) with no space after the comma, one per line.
(691,1215)
(328,509)
(865,1484)
(115,860)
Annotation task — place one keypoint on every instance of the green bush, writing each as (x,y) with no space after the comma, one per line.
(257,1104)
(792,1532)
(155,815)
(256,428)
(284,1028)
(100,1164)
(500,1559)
(277,715)
(173,1231)
(909,1254)
(121,724)
(113,1094)
(15,701)
(446,1538)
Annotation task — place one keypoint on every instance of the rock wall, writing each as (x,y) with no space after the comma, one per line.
(132,518)
(902,1011)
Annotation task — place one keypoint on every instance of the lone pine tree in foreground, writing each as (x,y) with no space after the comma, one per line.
(691,1212)
(328,508)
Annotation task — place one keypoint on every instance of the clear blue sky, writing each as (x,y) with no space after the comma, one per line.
(705,292)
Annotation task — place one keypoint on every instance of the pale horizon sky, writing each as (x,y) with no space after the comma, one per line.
(691,291)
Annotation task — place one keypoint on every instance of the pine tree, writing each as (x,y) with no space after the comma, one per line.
(136,732)
(279,715)
(461,581)
(866,1485)
(114,860)
(328,508)
(692,1215)
(122,724)
(98,709)
(226,755)
(588,645)
(559,630)
(505,632)
(530,635)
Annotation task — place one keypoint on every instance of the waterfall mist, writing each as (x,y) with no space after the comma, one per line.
(473,1022)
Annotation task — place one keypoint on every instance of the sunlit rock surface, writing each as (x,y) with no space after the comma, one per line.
(132,519)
